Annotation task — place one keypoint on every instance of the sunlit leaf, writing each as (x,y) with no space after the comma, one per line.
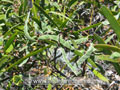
(26,28)
(10,41)
(113,22)
(109,47)
(99,75)
(86,55)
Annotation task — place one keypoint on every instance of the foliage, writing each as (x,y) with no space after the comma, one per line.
(46,31)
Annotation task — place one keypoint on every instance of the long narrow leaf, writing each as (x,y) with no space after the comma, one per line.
(108,58)
(99,39)
(109,47)
(26,29)
(8,32)
(87,28)
(4,59)
(49,87)
(62,41)
(42,10)
(10,41)
(27,56)
(73,68)
(86,55)
(71,2)
(99,75)
(60,14)
(113,22)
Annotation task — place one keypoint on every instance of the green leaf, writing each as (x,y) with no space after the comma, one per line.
(20,9)
(7,13)
(2,16)
(117,67)
(51,37)
(73,59)
(99,39)
(62,41)
(49,87)
(74,43)
(71,2)
(86,55)
(10,41)
(113,22)
(109,47)
(99,75)
(60,14)
(4,59)
(34,9)
(70,16)
(57,39)
(89,60)
(17,80)
(115,55)
(87,28)
(27,56)
(26,29)
(9,31)
(1,41)
(10,49)
(109,38)
(73,68)
(92,63)
(81,40)
(37,21)
(25,2)
(65,43)
(42,10)
(108,58)
(6,1)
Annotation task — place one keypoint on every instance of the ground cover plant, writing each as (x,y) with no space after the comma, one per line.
(61,39)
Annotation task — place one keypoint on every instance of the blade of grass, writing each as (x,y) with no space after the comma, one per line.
(9,31)
(60,14)
(87,28)
(49,87)
(101,41)
(113,22)
(62,41)
(99,75)
(10,41)
(92,63)
(109,38)
(27,56)
(89,60)
(71,3)
(26,29)
(74,43)
(117,67)
(4,59)
(86,55)
(25,2)
(109,47)
(108,58)
(42,10)
(73,68)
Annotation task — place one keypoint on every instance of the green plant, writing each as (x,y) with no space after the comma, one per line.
(44,33)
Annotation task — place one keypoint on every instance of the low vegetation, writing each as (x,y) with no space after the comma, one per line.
(60,38)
